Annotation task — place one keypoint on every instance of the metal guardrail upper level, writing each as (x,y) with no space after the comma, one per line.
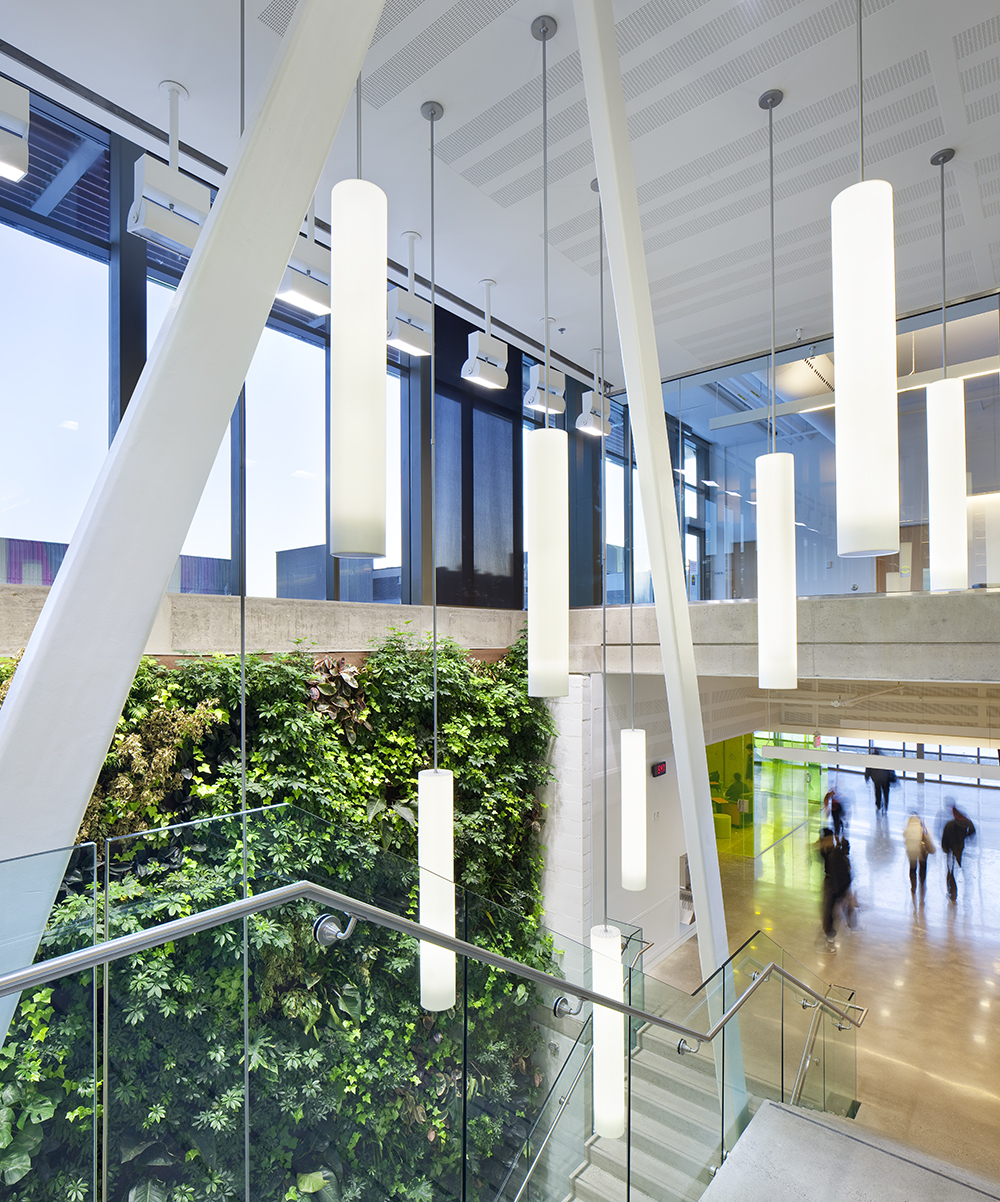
(139,941)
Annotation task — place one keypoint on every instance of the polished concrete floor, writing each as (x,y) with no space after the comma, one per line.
(927,967)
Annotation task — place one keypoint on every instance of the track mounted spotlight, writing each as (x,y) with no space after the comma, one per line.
(545,390)
(306,282)
(487,359)
(15,116)
(409,315)
(595,409)
(168,208)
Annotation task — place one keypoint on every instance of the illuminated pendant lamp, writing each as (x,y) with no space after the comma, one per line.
(864,338)
(609,1033)
(947,486)
(358,252)
(777,616)
(435,786)
(633,786)
(546,485)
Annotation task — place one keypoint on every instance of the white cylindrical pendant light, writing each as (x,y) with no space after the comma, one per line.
(947,505)
(609,1033)
(546,539)
(864,344)
(436,858)
(359,247)
(633,781)
(777,609)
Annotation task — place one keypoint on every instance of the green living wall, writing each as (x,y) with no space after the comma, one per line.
(356,1093)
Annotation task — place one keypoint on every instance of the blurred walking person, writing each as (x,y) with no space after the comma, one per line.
(956,831)
(919,845)
(836,880)
(835,809)
(881,778)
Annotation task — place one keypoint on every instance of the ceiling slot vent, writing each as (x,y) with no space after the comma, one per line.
(278,14)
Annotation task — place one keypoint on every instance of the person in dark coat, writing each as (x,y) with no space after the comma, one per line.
(956,831)
(881,778)
(834,808)
(836,879)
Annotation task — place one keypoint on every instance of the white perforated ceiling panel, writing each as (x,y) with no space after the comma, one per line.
(692,72)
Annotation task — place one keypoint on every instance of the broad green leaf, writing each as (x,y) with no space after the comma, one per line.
(311,1183)
(14,1165)
(148,1191)
(132,1145)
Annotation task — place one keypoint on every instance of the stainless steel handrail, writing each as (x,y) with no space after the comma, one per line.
(563,1103)
(526,1142)
(800,1077)
(140,941)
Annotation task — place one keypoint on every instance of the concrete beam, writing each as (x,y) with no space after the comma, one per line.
(920,637)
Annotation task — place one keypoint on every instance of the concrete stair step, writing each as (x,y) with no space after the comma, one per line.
(651,1172)
(667,1142)
(593,1184)
(694,1086)
(787,1154)
(675,1113)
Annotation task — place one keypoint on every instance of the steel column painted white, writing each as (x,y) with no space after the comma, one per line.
(60,712)
(626,257)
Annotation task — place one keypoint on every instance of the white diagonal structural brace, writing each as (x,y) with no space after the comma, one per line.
(59,715)
(627,261)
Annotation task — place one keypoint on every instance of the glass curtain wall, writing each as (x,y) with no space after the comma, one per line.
(54,415)
(722,416)
(204,562)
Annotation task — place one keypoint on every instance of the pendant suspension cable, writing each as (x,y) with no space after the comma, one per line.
(861,103)
(432,110)
(604,555)
(770,166)
(543,28)
(242,553)
(545,214)
(938,159)
(769,101)
(357,105)
(943,157)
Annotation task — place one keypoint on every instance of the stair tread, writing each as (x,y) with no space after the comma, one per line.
(673,1102)
(674,1186)
(645,1163)
(644,1125)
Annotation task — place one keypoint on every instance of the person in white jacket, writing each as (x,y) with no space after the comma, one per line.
(919,845)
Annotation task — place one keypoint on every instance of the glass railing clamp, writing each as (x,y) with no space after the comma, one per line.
(327,930)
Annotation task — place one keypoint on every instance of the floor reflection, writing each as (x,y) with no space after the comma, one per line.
(928,967)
